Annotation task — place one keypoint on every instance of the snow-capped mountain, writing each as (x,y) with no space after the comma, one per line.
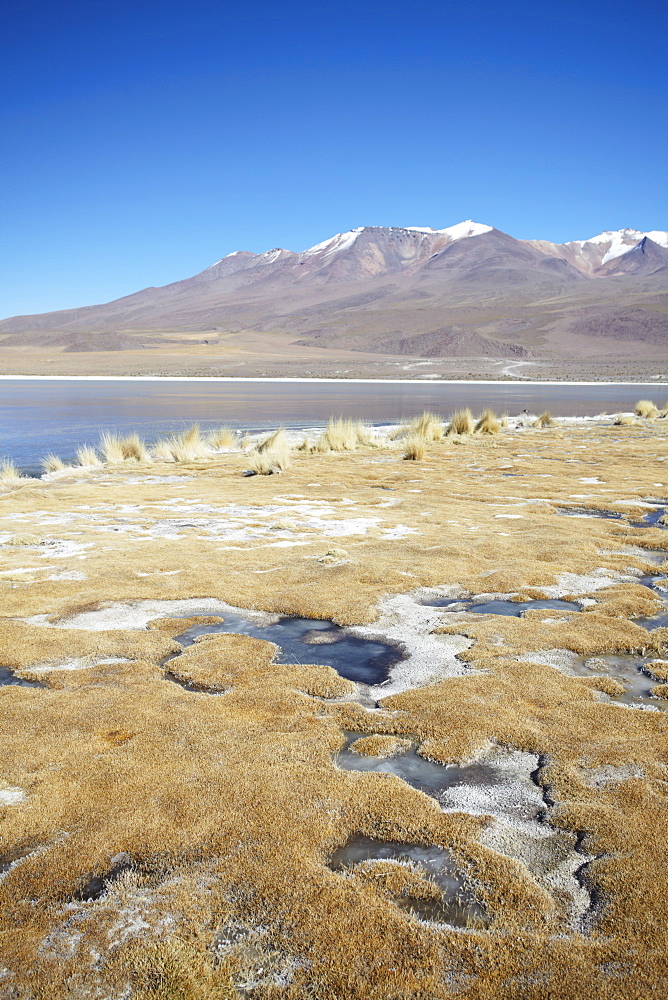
(466,289)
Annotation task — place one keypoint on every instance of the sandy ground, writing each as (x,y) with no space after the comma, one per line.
(276,355)
(202,791)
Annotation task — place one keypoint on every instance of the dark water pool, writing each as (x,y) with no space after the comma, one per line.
(512,609)
(457,905)
(9,679)
(307,640)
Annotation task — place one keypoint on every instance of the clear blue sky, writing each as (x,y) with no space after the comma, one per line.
(141,142)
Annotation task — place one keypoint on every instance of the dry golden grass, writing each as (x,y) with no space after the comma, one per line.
(380,746)
(52,463)
(461,422)
(133,447)
(344,435)
(428,426)
(87,456)
(188,446)
(9,474)
(222,437)
(111,448)
(415,448)
(647,409)
(487,423)
(545,420)
(624,420)
(230,804)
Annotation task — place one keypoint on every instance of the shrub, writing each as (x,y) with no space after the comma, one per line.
(646,408)
(488,423)
(461,422)
(415,448)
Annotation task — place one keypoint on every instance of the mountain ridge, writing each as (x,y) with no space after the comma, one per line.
(465,287)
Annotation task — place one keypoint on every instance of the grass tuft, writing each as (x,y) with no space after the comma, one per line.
(646,409)
(87,456)
(487,423)
(9,474)
(461,422)
(111,448)
(222,437)
(415,448)
(52,463)
(133,447)
(428,426)
(545,420)
(342,434)
(175,970)
(623,420)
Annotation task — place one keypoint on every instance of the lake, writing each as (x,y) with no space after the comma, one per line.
(38,415)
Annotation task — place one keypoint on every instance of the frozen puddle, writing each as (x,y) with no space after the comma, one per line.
(9,679)
(456,904)
(308,640)
(505,786)
(514,609)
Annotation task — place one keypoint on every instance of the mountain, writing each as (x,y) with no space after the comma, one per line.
(466,290)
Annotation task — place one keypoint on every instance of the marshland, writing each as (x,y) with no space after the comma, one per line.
(273,729)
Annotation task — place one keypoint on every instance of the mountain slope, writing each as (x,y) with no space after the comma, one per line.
(419,291)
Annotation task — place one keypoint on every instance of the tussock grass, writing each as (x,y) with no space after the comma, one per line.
(133,447)
(487,423)
(52,463)
(87,456)
(415,448)
(646,409)
(188,446)
(111,448)
(623,420)
(428,426)
(222,437)
(461,423)
(343,435)
(9,474)
(504,419)
(278,441)
(271,455)
(545,420)
(174,969)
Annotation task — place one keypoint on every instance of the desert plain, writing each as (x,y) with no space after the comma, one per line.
(171,813)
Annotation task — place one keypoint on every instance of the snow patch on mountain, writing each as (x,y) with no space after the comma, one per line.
(621,241)
(342,241)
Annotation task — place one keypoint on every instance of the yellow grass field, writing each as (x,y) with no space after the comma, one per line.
(203,792)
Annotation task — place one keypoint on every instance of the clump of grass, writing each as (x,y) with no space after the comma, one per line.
(23,539)
(222,437)
(189,446)
(428,426)
(415,448)
(53,463)
(9,474)
(271,455)
(646,409)
(545,420)
(277,441)
(133,447)
(111,448)
(175,970)
(461,422)
(487,423)
(343,435)
(623,420)
(86,456)
(504,420)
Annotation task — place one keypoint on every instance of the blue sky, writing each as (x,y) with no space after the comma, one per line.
(141,142)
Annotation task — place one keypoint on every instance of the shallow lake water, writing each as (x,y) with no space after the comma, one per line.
(457,906)
(308,640)
(42,415)
(513,609)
